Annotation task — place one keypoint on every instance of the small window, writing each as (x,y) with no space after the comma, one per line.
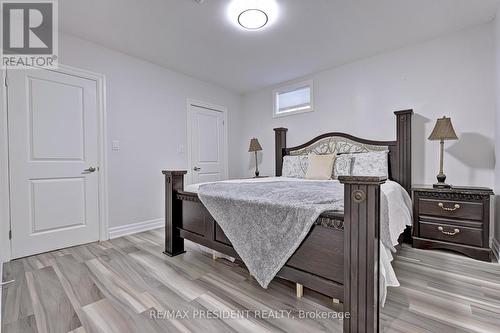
(297,98)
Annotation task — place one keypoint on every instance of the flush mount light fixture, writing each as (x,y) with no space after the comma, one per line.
(253,19)
(252,14)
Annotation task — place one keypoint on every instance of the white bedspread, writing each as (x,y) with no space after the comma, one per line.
(395,207)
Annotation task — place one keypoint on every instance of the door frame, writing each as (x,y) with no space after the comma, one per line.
(5,221)
(218,108)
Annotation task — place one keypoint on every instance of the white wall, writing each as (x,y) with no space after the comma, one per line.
(450,76)
(146,108)
(496,233)
(4,177)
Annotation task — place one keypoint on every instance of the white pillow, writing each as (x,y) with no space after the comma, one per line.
(294,166)
(320,167)
(342,166)
(374,163)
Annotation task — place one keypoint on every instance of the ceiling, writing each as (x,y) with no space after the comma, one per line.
(308,35)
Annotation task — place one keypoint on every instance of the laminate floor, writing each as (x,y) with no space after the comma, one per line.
(128,285)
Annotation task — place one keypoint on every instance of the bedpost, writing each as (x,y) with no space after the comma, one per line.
(174,244)
(361,253)
(280,142)
(403,130)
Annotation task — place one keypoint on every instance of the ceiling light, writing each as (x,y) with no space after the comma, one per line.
(253,19)
(252,14)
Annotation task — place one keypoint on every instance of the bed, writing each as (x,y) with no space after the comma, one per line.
(341,254)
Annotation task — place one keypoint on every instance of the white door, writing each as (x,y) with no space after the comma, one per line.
(53,154)
(207,144)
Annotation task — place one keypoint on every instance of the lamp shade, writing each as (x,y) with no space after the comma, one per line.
(254,146)
(443,130)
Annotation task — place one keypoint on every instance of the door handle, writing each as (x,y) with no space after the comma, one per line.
(196,168)
(6,283)
(89,170)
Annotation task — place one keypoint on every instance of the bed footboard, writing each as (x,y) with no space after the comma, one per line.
(361,242)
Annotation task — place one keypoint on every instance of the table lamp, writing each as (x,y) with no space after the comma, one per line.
(254,148)
(442,131)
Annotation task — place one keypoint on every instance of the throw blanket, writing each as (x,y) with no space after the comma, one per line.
(267,222)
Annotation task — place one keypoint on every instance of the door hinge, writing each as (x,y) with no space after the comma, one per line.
(5,81)
(10,234)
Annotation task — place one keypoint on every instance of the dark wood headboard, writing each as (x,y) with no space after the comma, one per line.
(399,150)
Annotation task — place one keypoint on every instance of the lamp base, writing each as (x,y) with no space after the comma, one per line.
(442,185)
(441,181)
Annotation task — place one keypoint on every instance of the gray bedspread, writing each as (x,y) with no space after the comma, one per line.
(267,222)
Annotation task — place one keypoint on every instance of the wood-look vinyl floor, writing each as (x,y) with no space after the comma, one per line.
(116,286)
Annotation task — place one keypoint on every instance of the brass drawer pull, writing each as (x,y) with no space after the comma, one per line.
(457,206)
(449,233)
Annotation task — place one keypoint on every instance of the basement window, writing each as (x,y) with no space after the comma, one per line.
(293,99)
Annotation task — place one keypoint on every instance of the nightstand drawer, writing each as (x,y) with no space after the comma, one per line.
(451,233)
(451,209)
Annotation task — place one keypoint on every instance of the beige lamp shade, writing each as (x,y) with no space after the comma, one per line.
(254,146)
(443,130)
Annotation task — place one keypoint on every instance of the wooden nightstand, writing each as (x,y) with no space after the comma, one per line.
(456,219)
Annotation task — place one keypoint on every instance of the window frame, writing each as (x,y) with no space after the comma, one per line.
(290,88)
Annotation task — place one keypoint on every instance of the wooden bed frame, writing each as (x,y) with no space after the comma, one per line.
(340,255)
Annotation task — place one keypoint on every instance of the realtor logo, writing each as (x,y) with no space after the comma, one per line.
(29,34)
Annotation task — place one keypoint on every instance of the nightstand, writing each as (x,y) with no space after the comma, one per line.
(456,219)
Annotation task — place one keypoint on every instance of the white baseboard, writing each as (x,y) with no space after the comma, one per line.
(134,228)
(495,246)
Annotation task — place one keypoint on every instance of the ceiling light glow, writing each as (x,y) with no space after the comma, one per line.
(253,19)
(252,14)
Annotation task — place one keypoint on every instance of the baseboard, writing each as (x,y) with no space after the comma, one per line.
(495,246)
(134,228)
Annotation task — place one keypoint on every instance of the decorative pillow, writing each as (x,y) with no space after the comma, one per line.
(342,165)
(371,164)
(294,166)
(320,167)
